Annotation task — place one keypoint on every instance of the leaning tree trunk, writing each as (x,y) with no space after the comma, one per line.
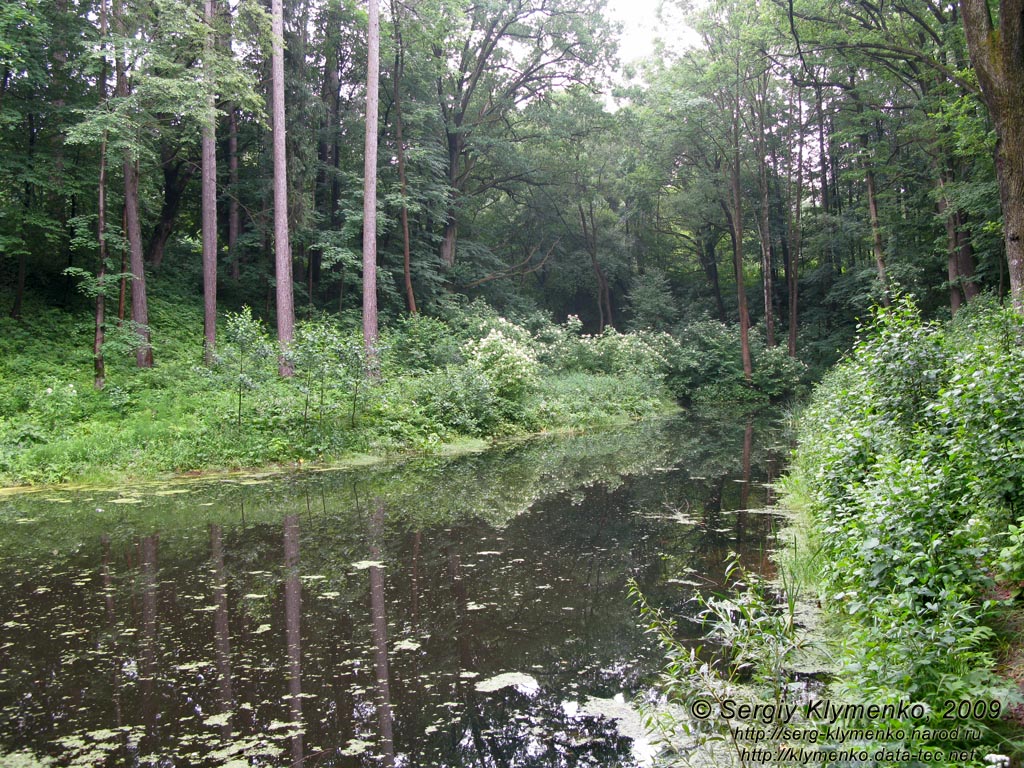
(998,58)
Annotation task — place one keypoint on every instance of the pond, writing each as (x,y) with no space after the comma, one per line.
(466,611)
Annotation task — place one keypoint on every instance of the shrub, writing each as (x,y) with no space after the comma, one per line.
(911,454)
(508,364)
(420,343)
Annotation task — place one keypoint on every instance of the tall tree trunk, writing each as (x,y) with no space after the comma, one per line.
(140,306)
(764,229)
(795,233)
(952,263)
(122,289)
(736,218)
(133,227)
(965,259)
(282,244)
(604,299)
(99,366)
(707,246)
(234,211)
(370,190)
(877,248)
(410,297)
(451,227)
(209,201)
(19,291)
(998,58)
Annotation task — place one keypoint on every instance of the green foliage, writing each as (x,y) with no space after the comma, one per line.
(707,367)
(911,461)
(651,302)
(419,342)
(755,638)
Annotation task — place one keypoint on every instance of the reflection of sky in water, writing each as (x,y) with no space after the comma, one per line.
(415,616)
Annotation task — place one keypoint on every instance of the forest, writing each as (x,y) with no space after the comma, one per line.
(725,211)
(237,236)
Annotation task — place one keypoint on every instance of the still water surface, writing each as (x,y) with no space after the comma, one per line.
(455,612)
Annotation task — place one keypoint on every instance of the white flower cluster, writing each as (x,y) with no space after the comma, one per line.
(508,364)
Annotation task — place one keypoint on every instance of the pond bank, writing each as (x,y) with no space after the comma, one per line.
(907,490)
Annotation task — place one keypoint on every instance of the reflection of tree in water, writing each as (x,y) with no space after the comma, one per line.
(379,632)
(190,654)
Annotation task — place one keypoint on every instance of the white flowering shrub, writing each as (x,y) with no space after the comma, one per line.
(642,353)
(509,364)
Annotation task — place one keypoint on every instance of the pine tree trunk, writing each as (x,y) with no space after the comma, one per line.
(282,244)
(209,171)
(370,191)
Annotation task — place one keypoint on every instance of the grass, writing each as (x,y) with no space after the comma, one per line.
(181,417)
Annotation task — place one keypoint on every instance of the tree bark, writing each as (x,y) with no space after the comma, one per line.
(282,244)
(370,190)
(736,219)
(604,299)
(410,297)
(209,202)
(998,59)
(707,245)
(177,175)
(99,366)
(234,212)
(876,232)
(133,227)
(795,232)
(140,306)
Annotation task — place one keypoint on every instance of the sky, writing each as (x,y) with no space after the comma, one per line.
(641,26)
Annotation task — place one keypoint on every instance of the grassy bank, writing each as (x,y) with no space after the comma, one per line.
(465,375)
(909,481)
(901,577)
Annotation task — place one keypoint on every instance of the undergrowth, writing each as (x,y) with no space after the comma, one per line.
(466,374)
(908,482)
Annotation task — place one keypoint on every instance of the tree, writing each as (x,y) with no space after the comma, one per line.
(998,58)
(282,244)
(410,296)
(133,225)
(499,56)
(370,190)
(209,206)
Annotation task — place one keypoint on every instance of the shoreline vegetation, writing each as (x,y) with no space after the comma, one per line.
(466,376)
(899,580)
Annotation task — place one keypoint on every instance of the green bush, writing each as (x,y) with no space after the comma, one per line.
(911,457)
(420,343)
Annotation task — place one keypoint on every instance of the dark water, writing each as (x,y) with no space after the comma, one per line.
(460,612)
